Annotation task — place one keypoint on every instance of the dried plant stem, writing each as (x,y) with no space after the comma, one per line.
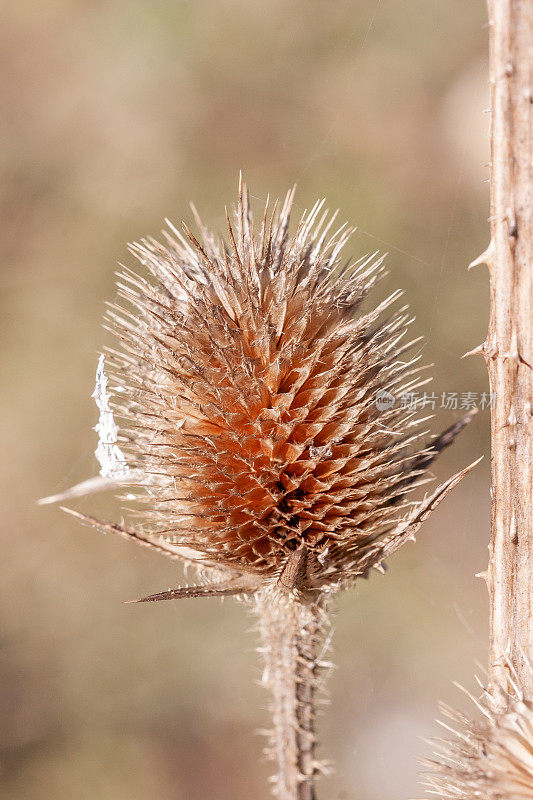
(290,631)
(509,346)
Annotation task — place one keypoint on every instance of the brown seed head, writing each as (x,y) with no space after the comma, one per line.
(255,403)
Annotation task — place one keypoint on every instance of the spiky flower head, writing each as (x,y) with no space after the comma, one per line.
(259,405)
(489,758)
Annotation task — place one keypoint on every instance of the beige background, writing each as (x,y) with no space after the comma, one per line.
(114,115)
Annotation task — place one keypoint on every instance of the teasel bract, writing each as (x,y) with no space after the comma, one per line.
(262,430)
(490,757)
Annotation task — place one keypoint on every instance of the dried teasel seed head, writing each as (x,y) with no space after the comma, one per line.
(254,400)
(490,758)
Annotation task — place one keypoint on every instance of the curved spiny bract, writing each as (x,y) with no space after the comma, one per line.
(248,382)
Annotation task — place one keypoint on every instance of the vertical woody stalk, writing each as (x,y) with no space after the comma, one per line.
(289,631)
(508,348)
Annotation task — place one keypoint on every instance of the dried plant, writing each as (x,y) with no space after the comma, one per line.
(491,758)
(258,434)
(508,347)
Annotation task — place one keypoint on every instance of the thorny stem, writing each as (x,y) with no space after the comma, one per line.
(290,631)
(508,349)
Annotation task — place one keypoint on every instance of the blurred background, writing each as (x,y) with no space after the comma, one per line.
(115,115)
